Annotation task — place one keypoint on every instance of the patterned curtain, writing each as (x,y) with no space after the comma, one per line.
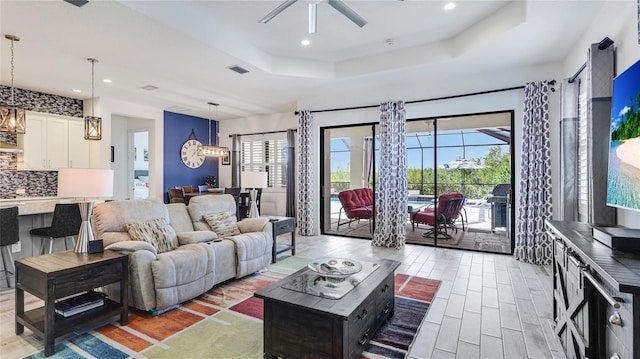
(305,181)
(533,245)
(235,160)
(391,199)
(291,173)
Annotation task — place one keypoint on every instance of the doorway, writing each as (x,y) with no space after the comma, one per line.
(140,164)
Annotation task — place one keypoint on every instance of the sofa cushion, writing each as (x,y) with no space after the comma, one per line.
(156,232)
(196,237)
(111,216)
(183,274)
(202,205)
(253,252)
(132,246)
(223,224)
(179,217)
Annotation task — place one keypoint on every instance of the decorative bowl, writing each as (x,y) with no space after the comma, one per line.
(336,268)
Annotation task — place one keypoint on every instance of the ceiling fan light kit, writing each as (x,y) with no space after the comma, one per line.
(313,13)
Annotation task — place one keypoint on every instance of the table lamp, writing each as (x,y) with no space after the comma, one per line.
(253,180)
(87,183)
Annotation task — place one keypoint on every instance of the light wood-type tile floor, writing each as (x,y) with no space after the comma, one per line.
(488,306)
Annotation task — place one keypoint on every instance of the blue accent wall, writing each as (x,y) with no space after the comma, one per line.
(177,128)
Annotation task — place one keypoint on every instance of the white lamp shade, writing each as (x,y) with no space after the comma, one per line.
(85,182)
(253,179)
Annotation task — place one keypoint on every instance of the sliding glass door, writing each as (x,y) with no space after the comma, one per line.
(349,158)
(461,156)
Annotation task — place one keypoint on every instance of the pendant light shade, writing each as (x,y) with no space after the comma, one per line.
(92,124)
(212,150)
(12,117)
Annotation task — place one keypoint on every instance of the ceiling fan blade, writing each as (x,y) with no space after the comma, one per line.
(313,17)
(348,12)
(276,11)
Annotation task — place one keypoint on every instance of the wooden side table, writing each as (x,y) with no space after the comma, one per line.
(282,225)
(58,275)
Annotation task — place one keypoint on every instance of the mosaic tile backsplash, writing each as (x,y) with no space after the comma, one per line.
(42,102)
(34,183)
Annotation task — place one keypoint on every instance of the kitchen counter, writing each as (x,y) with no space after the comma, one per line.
(36,205)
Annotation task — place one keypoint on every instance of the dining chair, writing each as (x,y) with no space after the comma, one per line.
(176,195)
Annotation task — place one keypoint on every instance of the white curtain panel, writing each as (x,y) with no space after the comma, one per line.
(367,161)
(532,244)
(305,180)
(391,197)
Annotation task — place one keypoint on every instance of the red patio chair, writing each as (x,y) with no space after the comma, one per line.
(357,204)
(448,211)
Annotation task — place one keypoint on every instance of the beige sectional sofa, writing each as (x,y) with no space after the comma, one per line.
(162,279)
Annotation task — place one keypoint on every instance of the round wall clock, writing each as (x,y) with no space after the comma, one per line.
(189,154)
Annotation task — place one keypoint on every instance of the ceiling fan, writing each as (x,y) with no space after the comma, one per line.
(313,5)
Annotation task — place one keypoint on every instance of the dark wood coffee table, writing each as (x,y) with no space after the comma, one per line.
(58,275)
(300,325)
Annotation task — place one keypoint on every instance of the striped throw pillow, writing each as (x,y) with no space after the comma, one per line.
(223,223)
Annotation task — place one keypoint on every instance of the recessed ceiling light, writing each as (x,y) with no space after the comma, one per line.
(107,81)
(76,90)
(449,6)
(305,42)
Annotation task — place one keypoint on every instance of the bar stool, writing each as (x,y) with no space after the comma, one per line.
(8,235)
(65,223)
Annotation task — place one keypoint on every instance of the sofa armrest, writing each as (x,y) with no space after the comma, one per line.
(253,225)
(196,237)
(132,246)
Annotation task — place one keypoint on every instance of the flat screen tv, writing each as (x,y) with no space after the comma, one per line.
(623,180)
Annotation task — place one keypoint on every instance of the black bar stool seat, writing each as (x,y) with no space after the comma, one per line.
(65,223)
(9,235)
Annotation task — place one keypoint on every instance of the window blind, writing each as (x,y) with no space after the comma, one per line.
(266,155)
(583,154)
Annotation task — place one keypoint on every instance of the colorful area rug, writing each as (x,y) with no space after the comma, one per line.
(226,322)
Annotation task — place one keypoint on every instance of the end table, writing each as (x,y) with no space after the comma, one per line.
(282,225)
(62,274)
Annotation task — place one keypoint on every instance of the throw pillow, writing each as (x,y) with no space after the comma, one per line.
(222,223)
(156,232)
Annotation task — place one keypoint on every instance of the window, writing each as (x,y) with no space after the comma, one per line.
(266,155)
(583,155)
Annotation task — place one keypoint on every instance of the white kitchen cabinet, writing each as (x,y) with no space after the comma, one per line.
(53,142)
(78,146)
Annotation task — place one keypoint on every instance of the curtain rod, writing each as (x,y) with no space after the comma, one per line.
(425,100)
(260,133)
(575,76)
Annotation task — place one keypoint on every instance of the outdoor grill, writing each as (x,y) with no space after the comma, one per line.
(499,205)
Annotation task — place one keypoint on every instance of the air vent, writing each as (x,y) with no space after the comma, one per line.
(178,109)
(77,3)
(149,87)
(238,69)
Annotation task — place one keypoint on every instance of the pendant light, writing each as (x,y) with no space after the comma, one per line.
(212,150)
(12,118)
(92,124)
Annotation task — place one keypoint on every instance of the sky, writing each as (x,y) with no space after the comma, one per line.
(449,148)
(625,86)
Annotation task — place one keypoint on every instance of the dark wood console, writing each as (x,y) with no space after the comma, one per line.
(596,294)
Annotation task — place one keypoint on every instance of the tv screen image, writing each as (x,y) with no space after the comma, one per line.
(623,181)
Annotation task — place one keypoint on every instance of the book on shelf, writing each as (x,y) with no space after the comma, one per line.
(79,303)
